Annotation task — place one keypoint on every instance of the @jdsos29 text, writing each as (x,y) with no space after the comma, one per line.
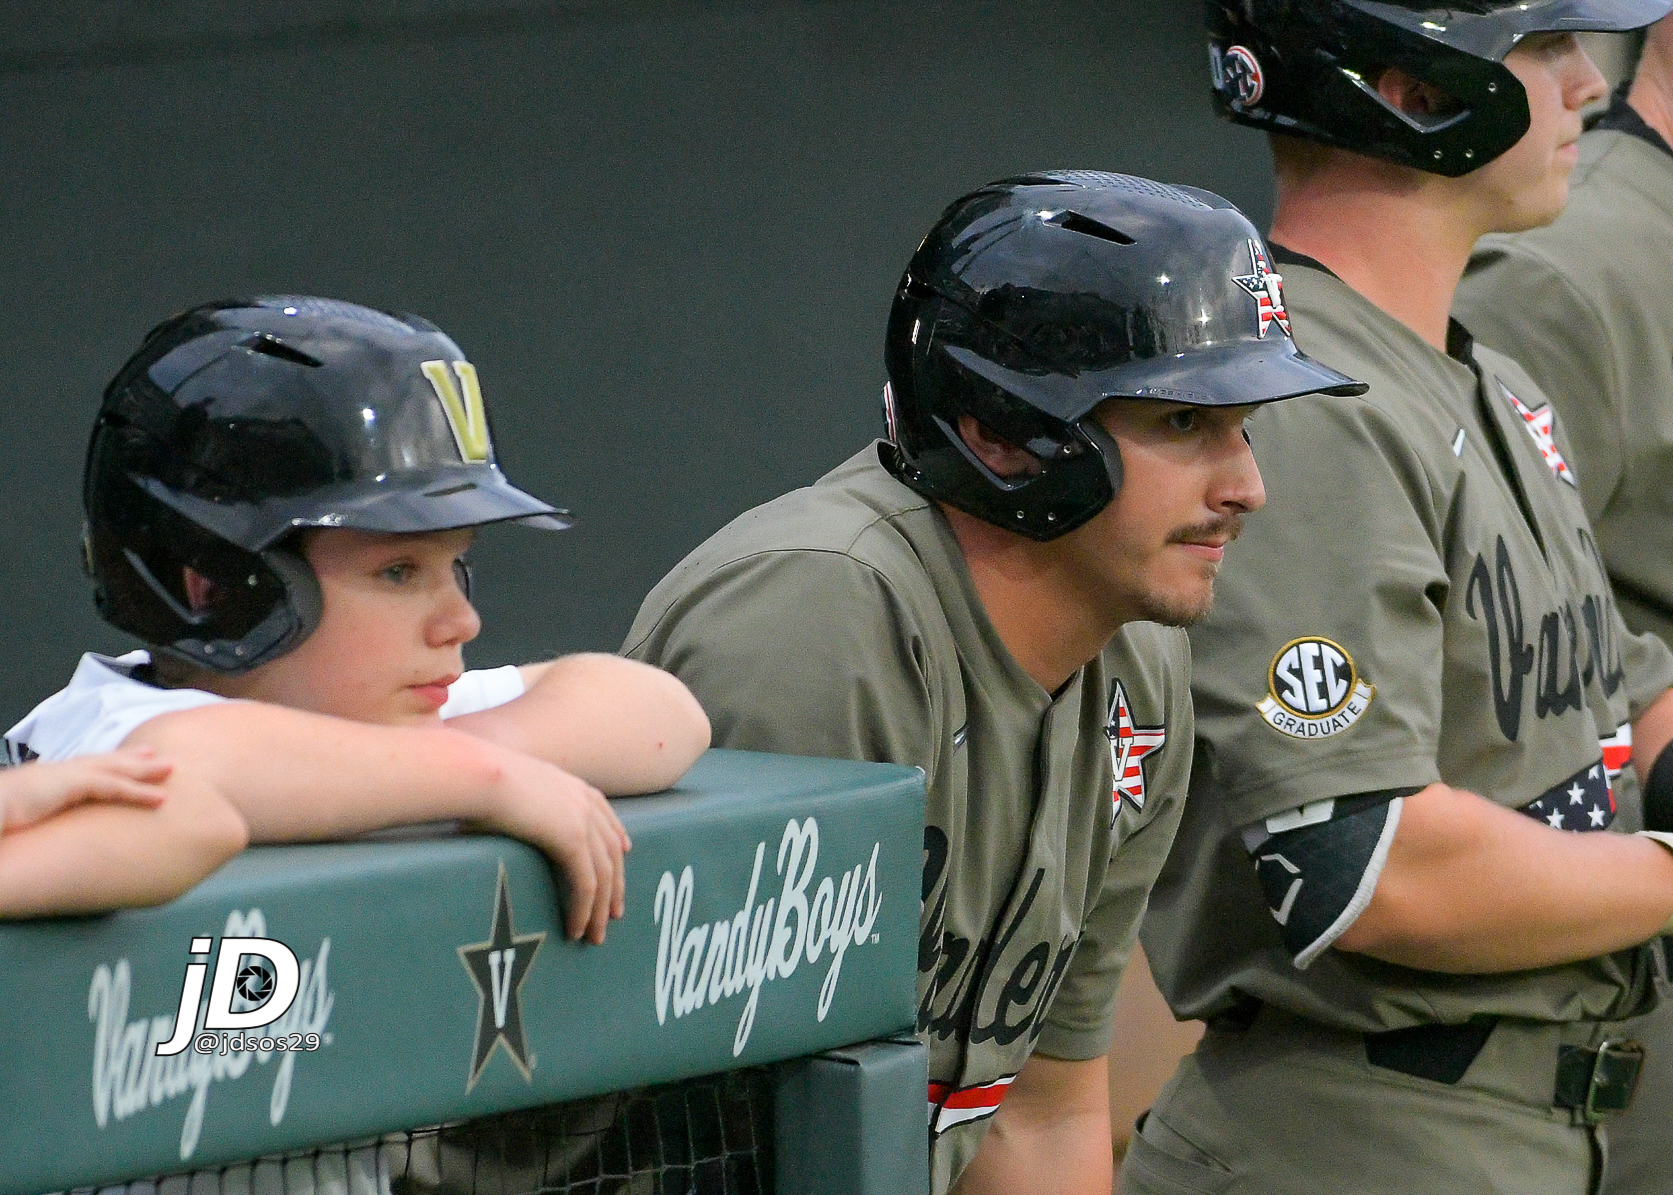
(256,981)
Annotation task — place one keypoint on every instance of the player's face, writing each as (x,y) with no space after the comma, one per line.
(1188,478)
(391,634)
(1527,186)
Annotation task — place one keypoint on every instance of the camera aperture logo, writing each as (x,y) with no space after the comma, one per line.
(263,1002)
(260,972)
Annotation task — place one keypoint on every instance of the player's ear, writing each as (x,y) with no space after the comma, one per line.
(201,592)
(1412,96)
(1003,458)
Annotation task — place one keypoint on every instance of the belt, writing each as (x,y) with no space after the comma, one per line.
(1591,1080)
(1598,1081)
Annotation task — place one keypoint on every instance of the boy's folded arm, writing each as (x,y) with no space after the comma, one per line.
(97,856)
(298,777)
(620,725)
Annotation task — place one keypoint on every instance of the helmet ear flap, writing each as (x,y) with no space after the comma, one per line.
(293,610)
(302,593)
(1108,451)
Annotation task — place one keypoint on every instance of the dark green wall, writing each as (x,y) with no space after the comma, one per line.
(665,231)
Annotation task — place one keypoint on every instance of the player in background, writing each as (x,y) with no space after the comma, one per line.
(1415,685)
(279,494)
(992,595)
(1586,306)
(100,833)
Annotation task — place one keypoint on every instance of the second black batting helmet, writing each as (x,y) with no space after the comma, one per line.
(239,423)
(1309,68)
(1036,298)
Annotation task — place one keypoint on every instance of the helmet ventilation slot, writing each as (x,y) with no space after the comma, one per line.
(1087,226)
(272,346)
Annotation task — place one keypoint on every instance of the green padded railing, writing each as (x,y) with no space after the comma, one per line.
(772,912)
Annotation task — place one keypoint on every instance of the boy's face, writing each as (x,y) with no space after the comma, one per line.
(390,636)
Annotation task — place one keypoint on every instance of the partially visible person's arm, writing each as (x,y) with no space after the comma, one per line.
(1651,734)
(36,791)
(300,777)
(1051,1136)
(622,726)
(100,855)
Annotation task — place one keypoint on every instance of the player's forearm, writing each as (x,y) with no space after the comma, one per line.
(1051,1136)
(93,858)
(298,777)
(1473,888)
(622,726)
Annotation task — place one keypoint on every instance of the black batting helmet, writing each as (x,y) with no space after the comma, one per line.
(1309,68)
(240,422)
(1036,298)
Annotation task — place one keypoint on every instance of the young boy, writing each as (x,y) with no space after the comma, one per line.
(73,835)
(279,495)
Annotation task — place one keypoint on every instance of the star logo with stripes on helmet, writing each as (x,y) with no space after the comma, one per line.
(1267,288)
(1130,745)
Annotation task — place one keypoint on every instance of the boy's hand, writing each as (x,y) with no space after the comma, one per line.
(35,791)
(571,821)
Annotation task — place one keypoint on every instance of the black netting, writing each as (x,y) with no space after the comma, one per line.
(710,1136)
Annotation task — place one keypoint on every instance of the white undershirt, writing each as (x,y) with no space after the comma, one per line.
(103,704)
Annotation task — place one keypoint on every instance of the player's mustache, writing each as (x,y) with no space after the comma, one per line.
(1226,527)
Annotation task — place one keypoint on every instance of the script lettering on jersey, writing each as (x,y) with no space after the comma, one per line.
(955,1002)
(1571,647)
(128,1076)
(708,963)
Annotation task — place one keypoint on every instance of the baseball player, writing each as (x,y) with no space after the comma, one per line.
(1394,897)
(279,492)
(991,594)
(73,835)
(1586,305)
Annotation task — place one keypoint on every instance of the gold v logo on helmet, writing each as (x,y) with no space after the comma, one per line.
(463,406)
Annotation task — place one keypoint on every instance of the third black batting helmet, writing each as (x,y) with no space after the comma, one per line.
(1309,68)
(1036,298)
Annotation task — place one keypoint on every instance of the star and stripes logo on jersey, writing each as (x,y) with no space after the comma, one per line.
(1540,427)
(949,1106)
(1581,803)
(1617,751)
(1268,290)
(1129,747)
(1586,800)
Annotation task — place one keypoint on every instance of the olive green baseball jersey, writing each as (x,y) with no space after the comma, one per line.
(1421,600)
(1586,305)
(840,620)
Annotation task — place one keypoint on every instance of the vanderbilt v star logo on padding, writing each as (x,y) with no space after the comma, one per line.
(463,406)
(1129,745)
(498,968)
